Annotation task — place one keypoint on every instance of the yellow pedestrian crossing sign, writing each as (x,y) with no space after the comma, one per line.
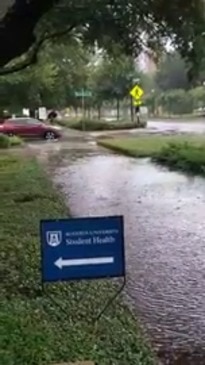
(137,92)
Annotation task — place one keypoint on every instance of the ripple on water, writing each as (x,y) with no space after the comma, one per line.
(165,252)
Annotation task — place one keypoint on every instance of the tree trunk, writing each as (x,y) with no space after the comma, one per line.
(131,110)
(89,112)
(99,112)
(118,109)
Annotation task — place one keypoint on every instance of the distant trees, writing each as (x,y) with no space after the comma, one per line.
(173,92)
(112,80)
(172,73)
(62,71)
(52,82)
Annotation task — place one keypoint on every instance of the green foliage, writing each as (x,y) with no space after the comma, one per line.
(173,93)
(198,96)
(64,69)
(185,157)
(6,141)
(172,73)
(110,23)
(176,102)
(32,330)
(98,125)
(15,141)
(136,147)
(113,78)
(42,83)
(52,82)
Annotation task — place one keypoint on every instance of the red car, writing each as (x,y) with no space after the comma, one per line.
(29,127)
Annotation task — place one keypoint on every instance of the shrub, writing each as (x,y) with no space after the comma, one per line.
(4,141)
(176,102)
(99,125)
(15,141)
(184,156)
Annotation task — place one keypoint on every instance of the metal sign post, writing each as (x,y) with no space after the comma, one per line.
(137,93)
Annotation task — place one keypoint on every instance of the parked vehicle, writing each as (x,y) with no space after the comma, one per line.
(29,127)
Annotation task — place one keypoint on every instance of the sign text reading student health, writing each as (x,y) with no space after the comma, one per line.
(83,248)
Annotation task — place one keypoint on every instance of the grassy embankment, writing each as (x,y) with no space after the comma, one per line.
(31,333)
(185,153)
(98,125)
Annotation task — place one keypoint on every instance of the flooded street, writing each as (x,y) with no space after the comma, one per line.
(160,127)
(178,126)
(165,234)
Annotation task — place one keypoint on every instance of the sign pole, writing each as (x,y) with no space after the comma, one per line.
(137,93)
(131,109)
(109,303)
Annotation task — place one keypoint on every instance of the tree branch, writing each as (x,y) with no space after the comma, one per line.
(32,55)
(17,24)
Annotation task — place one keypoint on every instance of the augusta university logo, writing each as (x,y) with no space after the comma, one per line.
(54,238)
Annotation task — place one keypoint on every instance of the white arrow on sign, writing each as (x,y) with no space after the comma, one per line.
(60,263)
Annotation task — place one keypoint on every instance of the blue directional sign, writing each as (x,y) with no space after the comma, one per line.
(84,248)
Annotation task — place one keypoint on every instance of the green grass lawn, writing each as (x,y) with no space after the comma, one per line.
(33,330)
(186,153)
(149,145)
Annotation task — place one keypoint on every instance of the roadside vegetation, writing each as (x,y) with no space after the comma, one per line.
(79,80)
(34,330)
(185,153)
(6,141)
(99,125)
(185,157)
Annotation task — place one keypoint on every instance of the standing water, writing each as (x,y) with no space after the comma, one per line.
(164,216)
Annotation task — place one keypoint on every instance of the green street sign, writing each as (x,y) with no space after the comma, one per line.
(83,94)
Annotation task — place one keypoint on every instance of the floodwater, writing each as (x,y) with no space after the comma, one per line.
(161,127)
(197,127)
(164,216)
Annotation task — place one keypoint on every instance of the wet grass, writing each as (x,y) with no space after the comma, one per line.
(34,329)
(185,153)
(148,146)
(183,156)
